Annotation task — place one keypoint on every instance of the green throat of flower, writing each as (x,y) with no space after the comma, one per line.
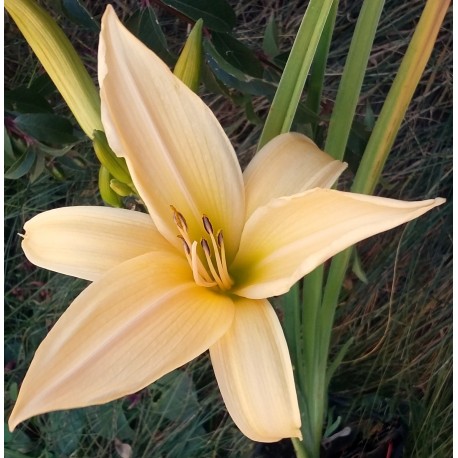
(212,270)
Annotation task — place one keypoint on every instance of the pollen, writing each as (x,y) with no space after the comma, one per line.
(209,267)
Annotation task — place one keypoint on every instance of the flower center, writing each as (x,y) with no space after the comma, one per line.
(212,272)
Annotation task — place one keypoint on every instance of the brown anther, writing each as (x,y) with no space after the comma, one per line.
(179,220)
(207,225)
(205,246)
(185,244)
(219,238)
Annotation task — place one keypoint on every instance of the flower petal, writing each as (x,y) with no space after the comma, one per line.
(141,320)
(289,164)
(288,238)
(254,373)
(85,242)
(176,151)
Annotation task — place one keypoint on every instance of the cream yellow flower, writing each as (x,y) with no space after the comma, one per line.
(195,273)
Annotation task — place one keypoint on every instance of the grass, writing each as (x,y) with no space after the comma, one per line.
(400,362)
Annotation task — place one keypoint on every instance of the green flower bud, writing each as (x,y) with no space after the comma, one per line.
(115,165)
(108,195)
(120,188)
(60,60)
(189,64)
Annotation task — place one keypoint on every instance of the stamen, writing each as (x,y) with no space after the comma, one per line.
(222,269)
(225,274)
(185,245)
(179,219)
(219,238)
(215,272)
(207,225)
(205,246)
(197,274)
(215,275)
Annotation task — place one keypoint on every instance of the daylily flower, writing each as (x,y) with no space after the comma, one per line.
(195,272)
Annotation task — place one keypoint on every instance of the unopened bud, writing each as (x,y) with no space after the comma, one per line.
(120,188)
(60,60)
(189,64)
(108,195)
(114,164)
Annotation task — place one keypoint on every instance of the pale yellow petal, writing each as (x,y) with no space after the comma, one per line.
(254,373)
(175,149)
(85,242)
(289,164)
(140,321)
(288,238)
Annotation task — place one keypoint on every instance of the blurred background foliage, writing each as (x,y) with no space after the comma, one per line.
(395,382)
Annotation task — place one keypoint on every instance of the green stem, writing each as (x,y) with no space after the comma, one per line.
(291,326)
(299,448)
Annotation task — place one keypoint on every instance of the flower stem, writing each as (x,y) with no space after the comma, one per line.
(299,448)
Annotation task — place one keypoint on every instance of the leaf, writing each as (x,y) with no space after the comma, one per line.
(353,74)
(48,128)
(270,39)
(369,117)
(67,428)
(178,401)
(25,100)
(217,15)
(237,54)
(249,111)
(78,14)
(338,359)
(233,77)
(43,85)
(17,441)
(38,167)
(21,166)
(358,268)
(9,155)
(288,94)
(56,152)
(14,454)
(145,26)
(212,83)
(110,422)
(57,171)
(73,163)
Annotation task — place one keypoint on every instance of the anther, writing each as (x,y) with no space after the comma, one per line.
(207,225)
(205,246)
(186,247)
(179,219)
(219,238)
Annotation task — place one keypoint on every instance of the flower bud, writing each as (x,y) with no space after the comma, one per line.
(120,188)
(60,60)
(189,64)
(109,196)
(114,164)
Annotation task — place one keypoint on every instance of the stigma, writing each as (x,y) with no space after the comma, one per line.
(209,270)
